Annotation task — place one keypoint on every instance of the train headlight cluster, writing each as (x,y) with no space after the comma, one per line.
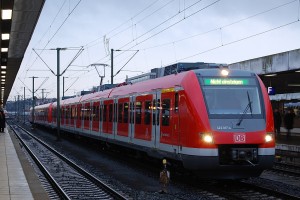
(207,137)
(268,137)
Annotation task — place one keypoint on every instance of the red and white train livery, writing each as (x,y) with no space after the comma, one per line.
(217,123)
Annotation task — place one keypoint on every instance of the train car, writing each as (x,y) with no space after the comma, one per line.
(217,123)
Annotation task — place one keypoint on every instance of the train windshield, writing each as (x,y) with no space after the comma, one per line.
(232,98)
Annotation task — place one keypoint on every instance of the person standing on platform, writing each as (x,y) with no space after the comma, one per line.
(277,121)
(289,122)
(2,121)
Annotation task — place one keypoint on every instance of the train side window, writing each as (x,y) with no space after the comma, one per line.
(153,113)
(75,112)
(120,113)
(147,112)
(100,115)
(87,113)
(125,119)
(110,112)
(71,112)
(165,112)
(176,102)
(95,113)
(104,113)
(158,111)
(138,112)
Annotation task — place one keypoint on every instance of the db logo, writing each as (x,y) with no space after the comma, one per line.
(239,137)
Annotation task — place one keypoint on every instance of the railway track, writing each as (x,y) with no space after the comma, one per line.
(195,189)
(68,179)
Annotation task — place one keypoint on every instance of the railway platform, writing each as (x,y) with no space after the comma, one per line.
(17,177)
(294,139)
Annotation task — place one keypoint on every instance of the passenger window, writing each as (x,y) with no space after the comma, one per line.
(166,112)
(138,112)
(125,113)
(104,113)
(110,113)
(153,113)
(95,113)
(120,112)
(147,112)
(100,115)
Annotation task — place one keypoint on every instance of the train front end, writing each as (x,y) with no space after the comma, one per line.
(240,134)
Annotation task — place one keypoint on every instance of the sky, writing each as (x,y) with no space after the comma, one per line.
(148,34)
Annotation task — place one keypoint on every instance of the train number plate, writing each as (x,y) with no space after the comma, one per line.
(239,138)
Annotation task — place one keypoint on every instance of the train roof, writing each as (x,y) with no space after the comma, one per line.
(169,81)
(140,87)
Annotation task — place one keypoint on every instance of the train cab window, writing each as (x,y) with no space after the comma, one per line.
(147,112)
(176,102)
(125,117)
(166,112)
(120,113)
(110,112)
(138,112)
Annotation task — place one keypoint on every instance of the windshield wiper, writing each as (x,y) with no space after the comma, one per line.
(249,103)
(249,106)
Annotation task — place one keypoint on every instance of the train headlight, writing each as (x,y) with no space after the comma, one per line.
(269,137)
(207,137)
(224,72)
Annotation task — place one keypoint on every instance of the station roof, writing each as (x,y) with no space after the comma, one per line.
(18,21)
(280,71)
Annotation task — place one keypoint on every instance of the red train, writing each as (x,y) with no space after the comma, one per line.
(217,123)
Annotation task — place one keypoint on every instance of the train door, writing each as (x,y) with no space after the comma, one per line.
(143,117)
(78,117)
(169,118)
(108,108)
(131,118)
(86,116)
(95,116)
(156,104)
(122,117)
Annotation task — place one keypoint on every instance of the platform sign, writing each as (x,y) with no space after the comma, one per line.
(271,91)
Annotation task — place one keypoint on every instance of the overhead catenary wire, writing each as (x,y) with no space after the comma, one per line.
(211,49)
(221,27)
(243,38)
